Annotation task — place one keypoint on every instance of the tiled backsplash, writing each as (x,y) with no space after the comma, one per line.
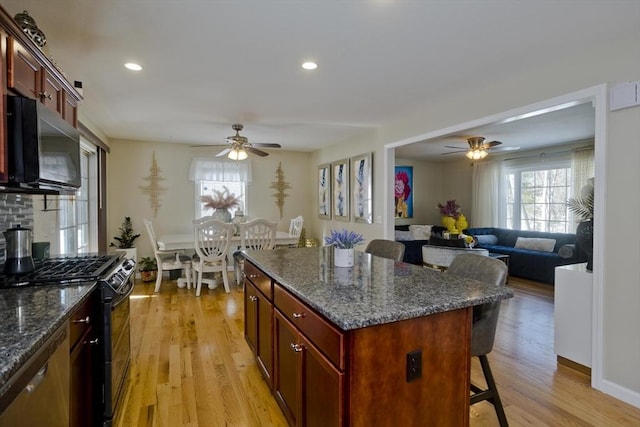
(14,209)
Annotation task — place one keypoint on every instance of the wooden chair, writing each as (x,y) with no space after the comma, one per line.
(168,260)
(485,321)
(295,227)
(386,249)
(258,235)
(211,240)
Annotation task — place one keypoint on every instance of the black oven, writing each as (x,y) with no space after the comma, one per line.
(113,274)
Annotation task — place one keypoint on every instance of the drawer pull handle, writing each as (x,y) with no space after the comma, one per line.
(253,276)
(85,320)
(298,315)
(253,298)
(296,347)
(93,341)
(45,95)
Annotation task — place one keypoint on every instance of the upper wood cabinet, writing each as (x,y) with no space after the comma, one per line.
(23,71)
(26,76)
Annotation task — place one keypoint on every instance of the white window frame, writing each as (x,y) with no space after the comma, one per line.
(517,170)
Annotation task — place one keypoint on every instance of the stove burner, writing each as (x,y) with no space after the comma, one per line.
(63,271)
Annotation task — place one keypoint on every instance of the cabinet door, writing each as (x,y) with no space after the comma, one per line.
(287,380)
(250,316)
(23,71)
(51,93)
(70,110)
(82,405)
(322,389)
(259,329)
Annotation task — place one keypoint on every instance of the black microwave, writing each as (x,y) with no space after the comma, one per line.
(43,150)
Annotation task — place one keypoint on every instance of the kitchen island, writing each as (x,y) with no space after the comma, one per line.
(379,343)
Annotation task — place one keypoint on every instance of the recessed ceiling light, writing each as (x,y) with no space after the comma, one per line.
(309,65)
(133,66)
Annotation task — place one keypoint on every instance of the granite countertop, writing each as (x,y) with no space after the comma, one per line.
(28,317)
(374,291)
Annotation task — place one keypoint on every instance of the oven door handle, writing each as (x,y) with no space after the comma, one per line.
(122,297)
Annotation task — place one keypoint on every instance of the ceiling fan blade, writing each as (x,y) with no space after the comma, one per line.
(457,148)
(454,152)
(223,152)
(491,144)
(266,145)
(505,148)
(256,151)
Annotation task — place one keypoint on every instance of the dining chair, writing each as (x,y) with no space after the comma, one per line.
(485,321)
(211,241)
(258,235)
(295,228)
(386,249)
(441,257)
(167,260)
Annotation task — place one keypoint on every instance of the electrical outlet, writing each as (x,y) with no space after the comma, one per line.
(414,365)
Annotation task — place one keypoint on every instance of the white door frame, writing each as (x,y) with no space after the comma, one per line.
(596,95)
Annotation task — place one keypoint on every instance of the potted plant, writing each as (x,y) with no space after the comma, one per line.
(126,239)
(582,207)
(148,269)
(343,243)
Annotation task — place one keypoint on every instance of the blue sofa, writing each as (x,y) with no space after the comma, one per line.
(527,263)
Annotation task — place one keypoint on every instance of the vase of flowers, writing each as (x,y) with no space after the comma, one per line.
(343,243)
(221,202)
(450,212)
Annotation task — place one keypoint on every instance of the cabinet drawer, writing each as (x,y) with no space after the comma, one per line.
(328,339)
(259,279)
(80,322)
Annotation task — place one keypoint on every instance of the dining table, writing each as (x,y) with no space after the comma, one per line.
(173,242)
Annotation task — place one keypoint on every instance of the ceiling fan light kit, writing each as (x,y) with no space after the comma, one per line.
(477,154)
(237,154)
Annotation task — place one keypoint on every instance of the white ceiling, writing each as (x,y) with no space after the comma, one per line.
(208,64)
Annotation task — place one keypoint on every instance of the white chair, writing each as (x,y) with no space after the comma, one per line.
(295,228)
(211,241)
(440,257)
(167,260)
(258,235)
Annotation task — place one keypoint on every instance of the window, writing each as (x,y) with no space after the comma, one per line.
(536,198)
(216,174)
(77,221)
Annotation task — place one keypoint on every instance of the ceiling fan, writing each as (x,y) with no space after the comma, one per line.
(240,146)
(478,149)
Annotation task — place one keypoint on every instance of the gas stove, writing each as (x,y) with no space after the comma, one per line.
(111,269)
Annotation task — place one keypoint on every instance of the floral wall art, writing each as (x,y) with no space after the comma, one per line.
(280,185)
(403,192)
(324,191)
(340,186)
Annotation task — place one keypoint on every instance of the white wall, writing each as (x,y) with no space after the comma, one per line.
(611,64)
(129,164)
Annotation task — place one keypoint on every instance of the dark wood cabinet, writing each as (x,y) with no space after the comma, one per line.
(84,391)
(51,92)
(23,70)
(259,329)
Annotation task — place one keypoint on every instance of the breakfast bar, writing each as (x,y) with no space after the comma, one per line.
(379,343)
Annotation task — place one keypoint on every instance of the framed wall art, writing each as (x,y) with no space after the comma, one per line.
(403,192)
(361,188)
(340,187)
(324,191)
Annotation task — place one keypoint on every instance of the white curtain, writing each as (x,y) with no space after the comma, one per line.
(582,168)
(485,196)
(208,169)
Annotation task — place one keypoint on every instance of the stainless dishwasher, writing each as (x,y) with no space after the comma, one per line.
(38,394)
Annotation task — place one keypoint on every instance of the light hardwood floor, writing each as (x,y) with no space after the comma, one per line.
(191,366)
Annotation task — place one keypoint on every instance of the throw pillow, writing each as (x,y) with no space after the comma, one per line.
(403,235)
(536,244)
(420,232)
(486,239)
(567,251)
